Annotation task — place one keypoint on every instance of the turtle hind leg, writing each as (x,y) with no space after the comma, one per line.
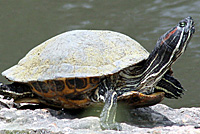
(16,91)
(107,116)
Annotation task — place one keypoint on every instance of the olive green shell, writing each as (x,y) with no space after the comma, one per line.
(79,53)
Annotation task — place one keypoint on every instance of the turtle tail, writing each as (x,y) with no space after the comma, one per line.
(171,86)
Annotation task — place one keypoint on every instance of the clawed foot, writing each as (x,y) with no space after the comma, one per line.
(114,126)
(8,104)
(5,102)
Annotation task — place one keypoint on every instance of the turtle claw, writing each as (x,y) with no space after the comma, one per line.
(4,105)
(8,104)
(114,126)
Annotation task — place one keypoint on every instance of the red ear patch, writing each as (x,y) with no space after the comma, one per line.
(168,35)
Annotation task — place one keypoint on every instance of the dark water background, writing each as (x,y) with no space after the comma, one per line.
(27,23)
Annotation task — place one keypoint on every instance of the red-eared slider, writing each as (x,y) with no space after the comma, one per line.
(82,67)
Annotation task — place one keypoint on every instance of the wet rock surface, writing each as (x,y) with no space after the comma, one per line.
(154,120)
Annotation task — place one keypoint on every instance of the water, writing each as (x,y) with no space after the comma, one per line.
(26,23)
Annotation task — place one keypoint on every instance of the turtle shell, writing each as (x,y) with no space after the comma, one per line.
(79,53)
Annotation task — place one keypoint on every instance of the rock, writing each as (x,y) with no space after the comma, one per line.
(154,120)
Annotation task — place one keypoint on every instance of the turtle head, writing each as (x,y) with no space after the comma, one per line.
(169,47)
(175,41)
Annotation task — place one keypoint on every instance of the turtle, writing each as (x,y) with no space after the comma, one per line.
(79,68)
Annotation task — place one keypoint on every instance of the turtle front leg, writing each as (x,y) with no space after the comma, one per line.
(107,116)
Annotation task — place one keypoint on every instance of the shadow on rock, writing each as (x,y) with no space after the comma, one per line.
(140,117)
(147,117)
(56,112)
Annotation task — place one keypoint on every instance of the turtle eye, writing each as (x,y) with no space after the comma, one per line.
(182,24)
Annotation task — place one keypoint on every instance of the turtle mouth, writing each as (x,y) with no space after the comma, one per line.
(193,24)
